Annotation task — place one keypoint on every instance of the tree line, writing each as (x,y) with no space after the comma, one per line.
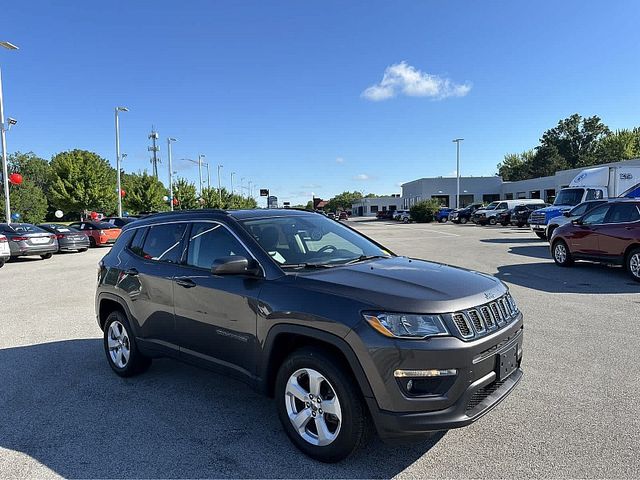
(575,142)
(78,181)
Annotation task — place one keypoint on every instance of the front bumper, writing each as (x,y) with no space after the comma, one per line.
(538,227)
(454,402)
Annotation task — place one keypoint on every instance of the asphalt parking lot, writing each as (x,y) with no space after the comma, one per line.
(575,414)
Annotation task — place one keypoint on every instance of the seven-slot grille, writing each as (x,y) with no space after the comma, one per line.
(537,217)
(479,321)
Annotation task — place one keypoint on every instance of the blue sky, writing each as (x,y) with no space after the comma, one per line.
(277,91)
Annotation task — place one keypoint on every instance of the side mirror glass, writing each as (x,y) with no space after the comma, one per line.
(567,214)
(234,265)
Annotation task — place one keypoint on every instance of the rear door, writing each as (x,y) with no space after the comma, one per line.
(150,267)
(621,229)
(216,314)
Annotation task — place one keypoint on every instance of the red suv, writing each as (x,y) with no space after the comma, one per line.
(609,233)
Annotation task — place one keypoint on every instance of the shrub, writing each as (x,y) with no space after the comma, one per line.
(424,211)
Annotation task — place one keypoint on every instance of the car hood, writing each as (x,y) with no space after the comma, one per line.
(554,208)
(401,284)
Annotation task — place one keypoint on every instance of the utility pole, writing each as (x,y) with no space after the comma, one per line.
(169,140)
(241,187)
(118,110)
(200,163)
(208,176)
(154,149)
(232,174)
(457,142)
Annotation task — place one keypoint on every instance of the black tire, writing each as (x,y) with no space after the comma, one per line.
(464,220)
(504,224)
(2,262)
(354,425)
(442,220)
(633,264)
(520,225)
(46,256)
(550,234)
(137,362)
(80,250)
(561,254)
(405,220)
(541,235)
(92,242)
(492,221)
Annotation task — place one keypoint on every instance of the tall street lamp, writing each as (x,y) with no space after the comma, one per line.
(219,186)
(118,158)
(169,142)
(3,131)
(457,142)
(200,163)
(241,187)
(232,174)
(249,189)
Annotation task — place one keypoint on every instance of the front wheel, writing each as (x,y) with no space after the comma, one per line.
(443,220)
(92,242)
(504,224)
(120,346)
(320,406)
(463,220)
(492,221)
(633,264)
(541,235)
(80,250)
(561,254)
(2,260)
(46,256)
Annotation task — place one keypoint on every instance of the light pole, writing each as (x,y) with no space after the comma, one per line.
(200,157)
(119,187)
(219,187)
(249,189)
(241,187)
(169,142)
(208,176)
(457,142)
(3,131)
(232,174)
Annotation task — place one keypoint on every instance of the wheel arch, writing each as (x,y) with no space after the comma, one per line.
(629,249)
(284,339)
(107,304)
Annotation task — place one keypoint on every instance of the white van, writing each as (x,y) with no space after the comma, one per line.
(489,213)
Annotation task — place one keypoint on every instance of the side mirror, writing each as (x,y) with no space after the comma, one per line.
(235,265)
(566,213)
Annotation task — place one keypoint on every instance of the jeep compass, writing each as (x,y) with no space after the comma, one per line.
(340,331)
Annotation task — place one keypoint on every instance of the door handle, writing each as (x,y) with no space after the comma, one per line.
(132,272)
(185,282)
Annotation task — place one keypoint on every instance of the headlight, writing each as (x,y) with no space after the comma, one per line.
(398,325)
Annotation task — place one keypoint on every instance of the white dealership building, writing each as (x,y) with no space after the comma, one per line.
(472,190)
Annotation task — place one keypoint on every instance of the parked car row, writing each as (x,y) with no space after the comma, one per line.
(45,239)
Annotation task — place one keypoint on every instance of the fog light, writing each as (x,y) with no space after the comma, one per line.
(409,385)
(424,373)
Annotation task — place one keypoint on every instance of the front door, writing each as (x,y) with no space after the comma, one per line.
(216,314)
(584,239)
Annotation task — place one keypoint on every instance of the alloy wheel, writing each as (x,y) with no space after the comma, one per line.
(119,345)
(560,253)
(634,265)
(313,407)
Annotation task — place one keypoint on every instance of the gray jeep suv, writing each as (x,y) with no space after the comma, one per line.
(342,332)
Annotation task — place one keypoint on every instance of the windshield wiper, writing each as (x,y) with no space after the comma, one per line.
(306,265)
(363,258)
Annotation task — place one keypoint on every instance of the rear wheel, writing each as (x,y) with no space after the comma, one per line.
(120,346)
(92,242)
(633,264)
(320,406)
(541,235)
(405,220)
(463,220)
(82,250)
(46,256)
(504,224)
(2,260)
(443,220)
(561,254)
(492,221)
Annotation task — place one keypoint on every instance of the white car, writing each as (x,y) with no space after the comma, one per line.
(5,253)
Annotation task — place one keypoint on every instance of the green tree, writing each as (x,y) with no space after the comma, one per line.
(28,200)
(621,145)
(211,199)
(575,139)
(184,192)
(423,212)
(33,168)
(309,205)
(545,162)
(82,180)
(143,193)
(343,201)
(515,166)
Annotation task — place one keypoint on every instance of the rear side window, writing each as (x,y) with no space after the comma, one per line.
(623,213)
(210,241)
(138,239)
(162,242)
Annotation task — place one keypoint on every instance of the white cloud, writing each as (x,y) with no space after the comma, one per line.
(339,160)
(311,186)
(402,78)
(363,177)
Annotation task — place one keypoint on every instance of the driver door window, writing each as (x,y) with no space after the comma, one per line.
(596,216)
(210,241)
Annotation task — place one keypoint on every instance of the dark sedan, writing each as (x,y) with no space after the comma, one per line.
(26,239)
(69,238)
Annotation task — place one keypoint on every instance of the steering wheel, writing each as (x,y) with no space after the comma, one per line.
(326,249)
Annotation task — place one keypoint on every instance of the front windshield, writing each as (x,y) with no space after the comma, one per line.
(569,196)
(310,240)
(491,206)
